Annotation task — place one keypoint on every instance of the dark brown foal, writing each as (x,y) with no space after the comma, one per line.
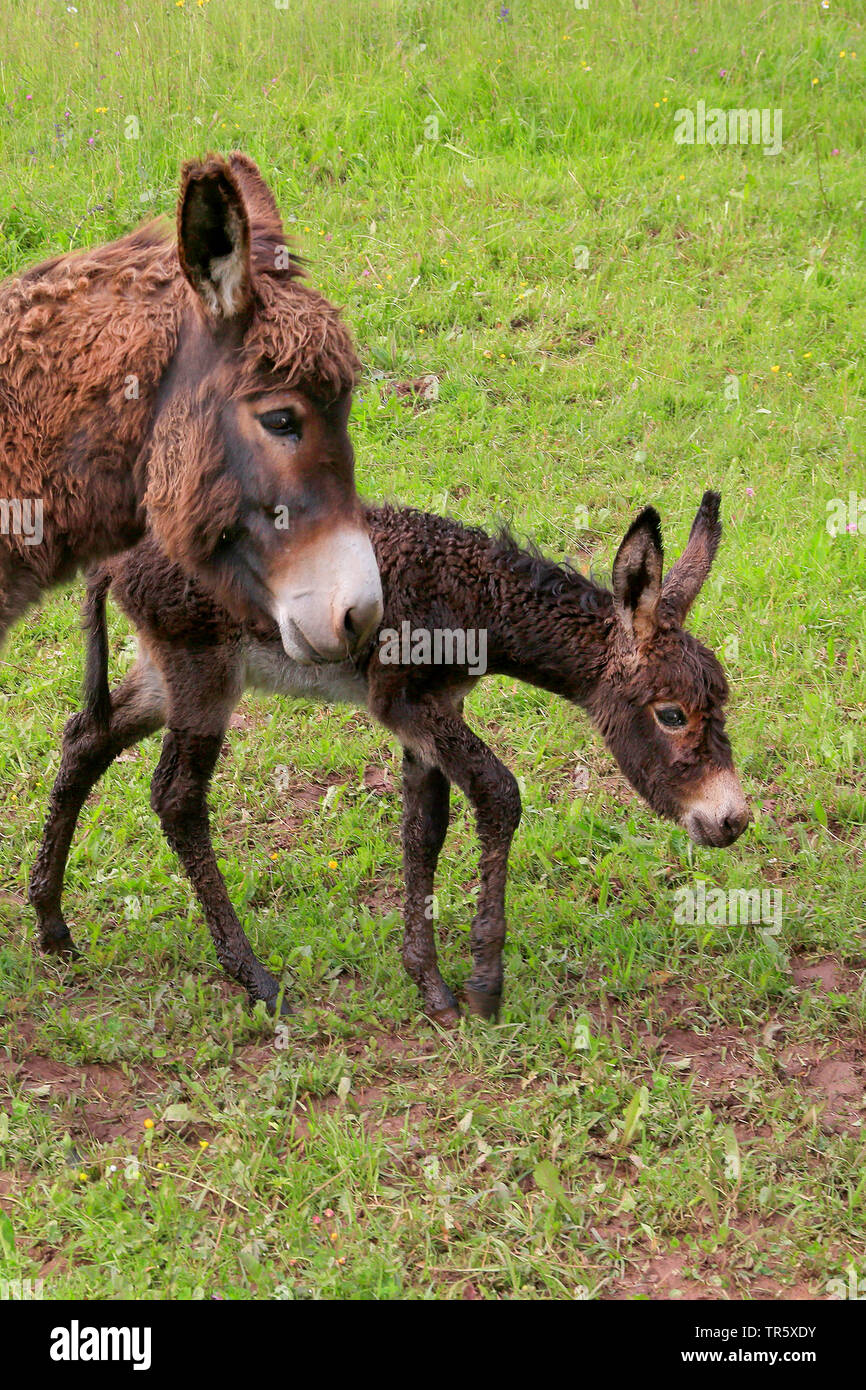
(656,695)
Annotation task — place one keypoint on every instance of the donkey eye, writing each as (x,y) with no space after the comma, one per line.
(230,536)
(284,423)
(671,717)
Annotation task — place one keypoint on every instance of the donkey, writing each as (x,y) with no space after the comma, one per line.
(655,694)
(199,388)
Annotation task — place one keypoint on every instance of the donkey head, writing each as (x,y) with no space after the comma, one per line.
(660,701)
(251,470)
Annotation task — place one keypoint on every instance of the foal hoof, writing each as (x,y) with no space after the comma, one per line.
(57,941)
(285,1009)
(482,1003)
(449,1017)
(439,1003)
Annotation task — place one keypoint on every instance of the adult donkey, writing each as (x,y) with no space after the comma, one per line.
(199,388)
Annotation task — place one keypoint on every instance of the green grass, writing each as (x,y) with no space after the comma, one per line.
(561,389)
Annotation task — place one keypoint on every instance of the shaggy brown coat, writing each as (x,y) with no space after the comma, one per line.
(114,363)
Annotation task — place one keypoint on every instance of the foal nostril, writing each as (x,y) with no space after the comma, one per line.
(735,823)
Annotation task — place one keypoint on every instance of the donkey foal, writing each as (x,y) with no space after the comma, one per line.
(655,694)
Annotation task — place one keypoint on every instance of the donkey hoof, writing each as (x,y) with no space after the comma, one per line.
(55,940)
(449,1017)
(482,1003)
(285,1010)
(439,1003)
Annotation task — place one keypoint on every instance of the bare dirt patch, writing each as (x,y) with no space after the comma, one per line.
(826,975)
(723,1061)
(108,1104)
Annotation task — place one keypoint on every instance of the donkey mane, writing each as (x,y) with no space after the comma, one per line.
(550,578)
(31,303)
(294,327)
(521,558)
(300,336)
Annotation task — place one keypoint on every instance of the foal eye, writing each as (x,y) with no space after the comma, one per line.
(284,423)
(671,717)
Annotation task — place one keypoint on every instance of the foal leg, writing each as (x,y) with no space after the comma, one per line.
(438,737)
(495,798)
(89,748)
(497,814)
(179,796)
(426,802)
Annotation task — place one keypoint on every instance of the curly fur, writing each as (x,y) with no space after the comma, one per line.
(544,623)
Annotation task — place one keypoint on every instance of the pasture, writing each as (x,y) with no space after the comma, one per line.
(671,1103)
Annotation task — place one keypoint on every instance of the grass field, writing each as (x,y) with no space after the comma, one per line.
(663,1110)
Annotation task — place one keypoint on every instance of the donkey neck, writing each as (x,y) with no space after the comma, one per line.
(548,625)
(108,320)
(542,623)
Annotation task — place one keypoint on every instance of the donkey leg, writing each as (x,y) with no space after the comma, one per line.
(19,589)
(495,798)
(426,801)
(89,748)
(438,736)
(497,816)
(179,797)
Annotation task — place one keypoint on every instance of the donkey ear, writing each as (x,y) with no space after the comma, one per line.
(637,574)
(259,199)
(691,569)
(213,239)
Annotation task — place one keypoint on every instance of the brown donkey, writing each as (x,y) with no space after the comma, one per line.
(653,691)
(199,388)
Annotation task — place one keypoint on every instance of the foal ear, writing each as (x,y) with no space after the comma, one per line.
(213,239)
(637,575)
(691,569)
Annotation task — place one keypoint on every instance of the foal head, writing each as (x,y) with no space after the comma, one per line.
(660,701)
(251,469)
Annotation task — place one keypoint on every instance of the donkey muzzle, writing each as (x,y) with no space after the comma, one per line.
(328,600)
(719,813)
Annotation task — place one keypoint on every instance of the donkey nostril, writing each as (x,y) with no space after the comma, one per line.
(735,822)
(359,622)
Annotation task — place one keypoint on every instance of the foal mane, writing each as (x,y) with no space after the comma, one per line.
(558,580)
